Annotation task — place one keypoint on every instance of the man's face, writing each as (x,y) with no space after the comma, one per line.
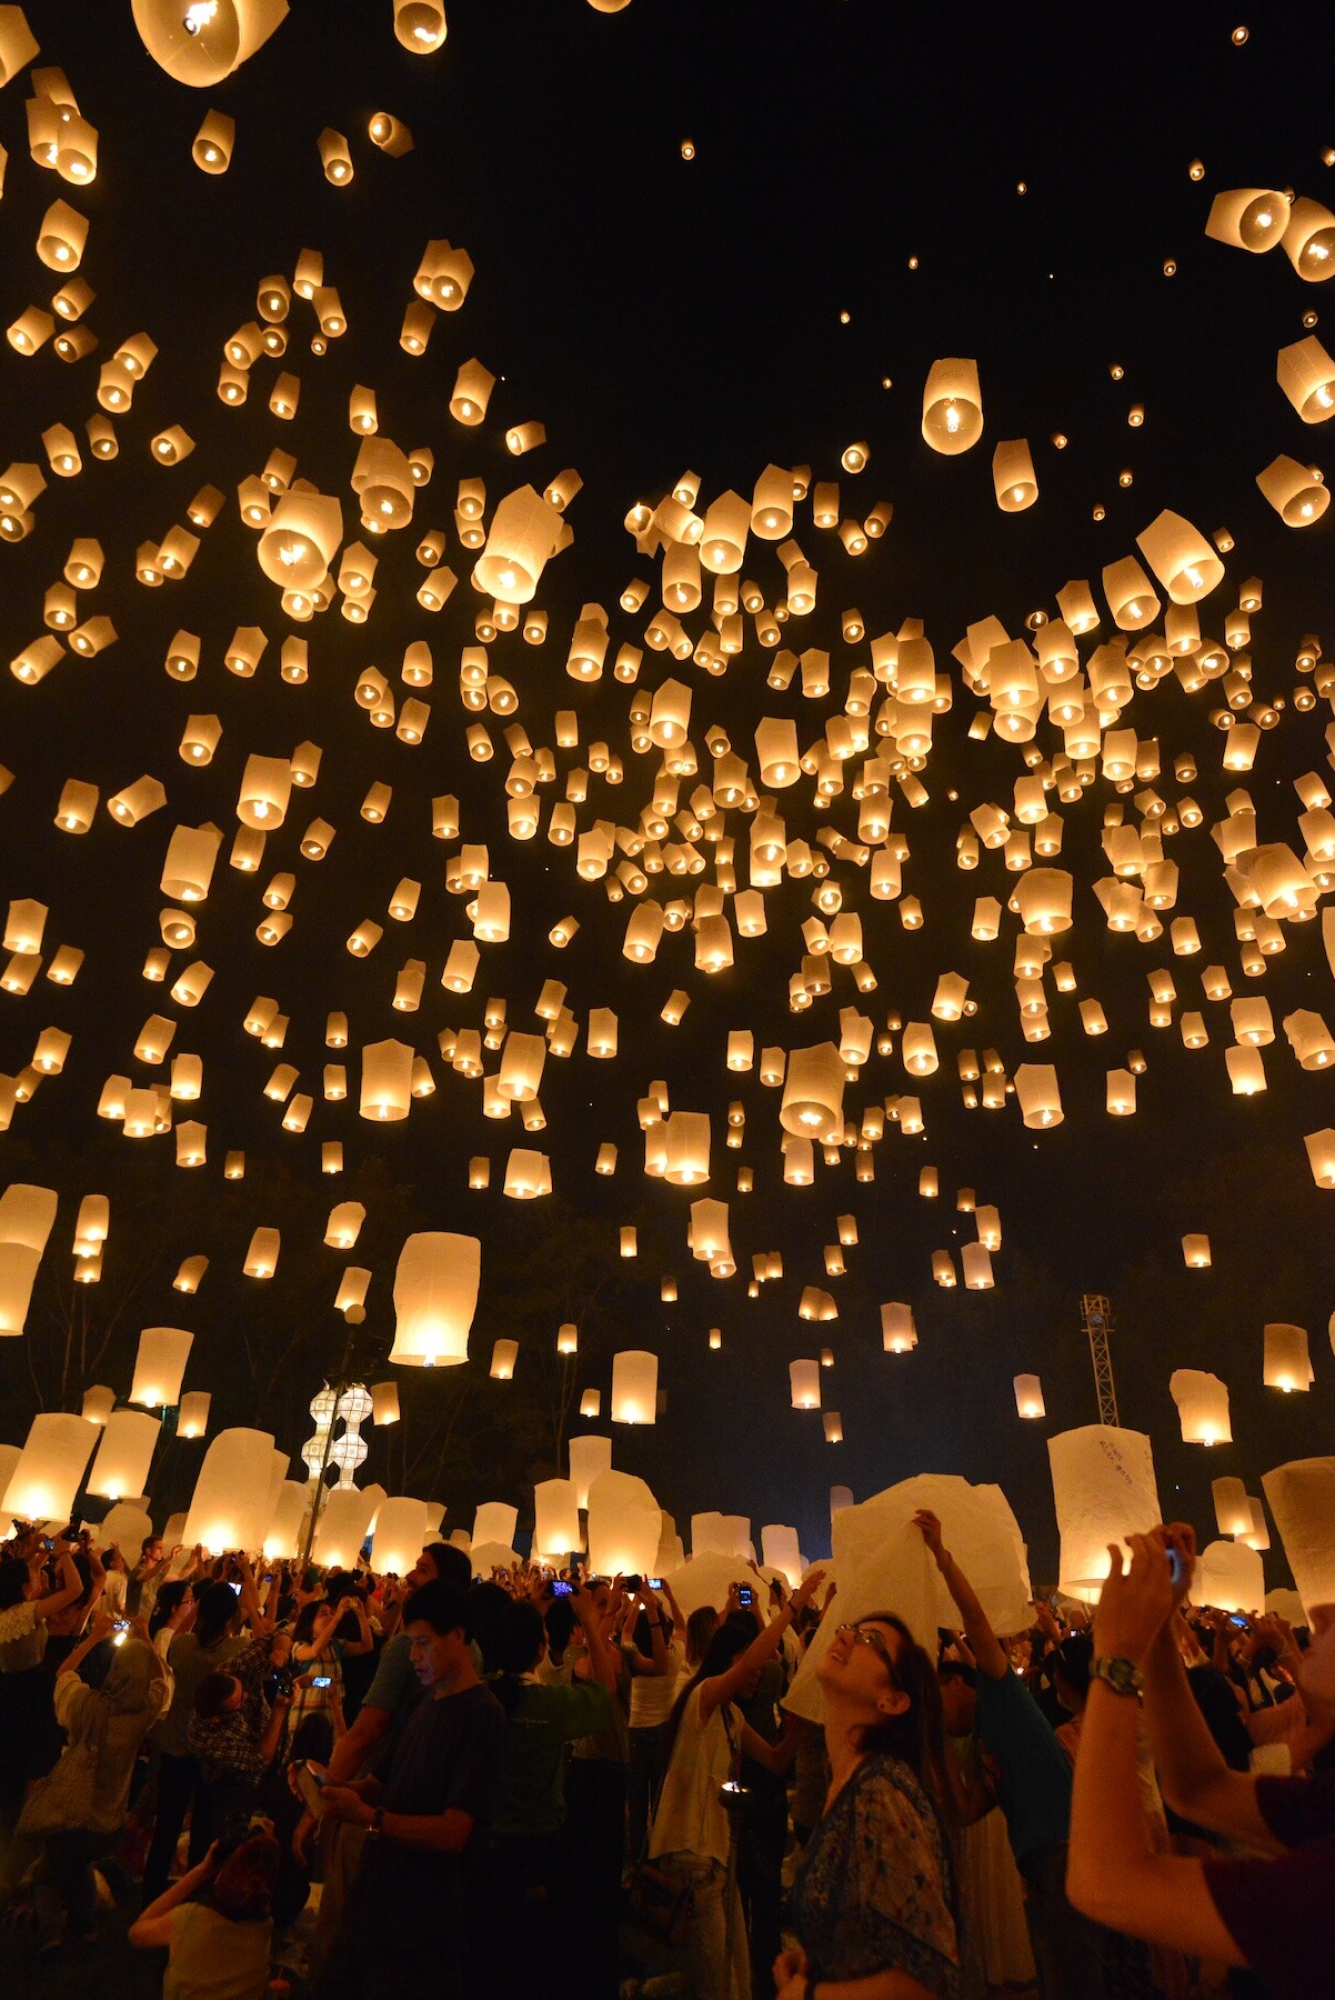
(235,1698)
(153,1553)
(435,1655)
(422,1571)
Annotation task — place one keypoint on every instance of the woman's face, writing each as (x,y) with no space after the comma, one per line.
(859,1668)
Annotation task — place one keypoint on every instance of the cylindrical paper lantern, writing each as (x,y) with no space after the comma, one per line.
(192,1419)
(556,1529)
(400,1531)
(589,1455)
(625,1525)
(44,1482)
(435,1296)
(345,1516)
(1229,1577)
(1232,1508)
(283,1533)
(1302,1499)
(804,1381)
(1104,1489)
(1029,1396)
(124,1455)
(160,1366)
(952,413)
(634,1387)
(1287,1364)
(1202,1403)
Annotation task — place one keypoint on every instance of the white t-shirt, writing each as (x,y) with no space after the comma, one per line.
(690,1819)
(652,1695)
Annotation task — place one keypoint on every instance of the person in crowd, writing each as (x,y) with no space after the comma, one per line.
(174,1611)
(1270,1910)
(701,1626)
(657,1661)
(692,1837)
(874,1900)
(593,1847)
(406,1914)
(27,1603)
(216,1924)
(1071,1662)
(990,1924)
(522,1870)
(79,1809)
(241,1713)
(205,1647)
(1032,1778)
(763,1833)
(366,1748)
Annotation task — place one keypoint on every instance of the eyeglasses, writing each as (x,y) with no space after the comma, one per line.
(862,1636)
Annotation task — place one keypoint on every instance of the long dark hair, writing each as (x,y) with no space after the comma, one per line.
(726,1647)
(214,1612)
(165,1606)
(917,1734)
(13,1581)
(516,1644)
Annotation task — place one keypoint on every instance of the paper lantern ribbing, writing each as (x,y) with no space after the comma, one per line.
(49,1472)
(1302,1499)
(160,1366)
(634,1387)
(589,1455)
(200,42)
(400,1531)
(625,1525)
(435,1296)
(1202,1403)
(1104,1488)
(124,1455)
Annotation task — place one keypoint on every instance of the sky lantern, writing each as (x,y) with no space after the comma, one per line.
(47,1476)
(124,1455)
(634,1387)
(1202,1405)
(1287,1364)
(435,1297)
(200,42)
(160,1365)
(952,406)
(1104,1488)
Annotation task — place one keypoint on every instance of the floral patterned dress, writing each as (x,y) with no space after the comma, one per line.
(875,1891)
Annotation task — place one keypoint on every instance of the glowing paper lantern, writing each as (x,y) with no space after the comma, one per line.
(1287,1363)
(124,1455)
(419,25)
(345,1518)
(48,1474)
(1104,1488)
(1229,1577)
(98,1404)
(124,1527)
(556,1529)
(952,412)
(634,1387)
(1302,1499)
(26,1216)
(1202,1403)
(200,42)
(1038,1095)
(192,1419)
(625,1524)
(504,1354)
(804,1381)
(160,1366)
(589,1455)
(524,531)
(1196,1252)
(387,1081)
(1306,374)
(283,1533)
(813,1093)
(435,1296)
(1029,1396)
(1232,1508)
(400,1531)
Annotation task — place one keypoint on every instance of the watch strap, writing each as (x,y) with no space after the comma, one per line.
(1121,1675)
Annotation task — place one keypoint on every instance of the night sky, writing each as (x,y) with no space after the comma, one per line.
(850,159)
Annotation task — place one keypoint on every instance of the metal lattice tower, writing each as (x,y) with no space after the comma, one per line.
(1097,1319)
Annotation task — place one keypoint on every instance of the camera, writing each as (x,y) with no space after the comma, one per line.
(654,1582)
(283,1683)
(746,1597)
(733,1796)
(322,1680)
(560,1587)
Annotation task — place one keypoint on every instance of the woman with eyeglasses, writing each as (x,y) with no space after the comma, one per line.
(874,1899)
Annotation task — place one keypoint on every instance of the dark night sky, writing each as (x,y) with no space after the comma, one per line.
(657,314)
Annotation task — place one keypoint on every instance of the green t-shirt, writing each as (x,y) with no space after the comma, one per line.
(544,1720)
(213,1958)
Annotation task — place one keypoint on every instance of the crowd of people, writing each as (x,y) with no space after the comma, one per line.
(548,1784)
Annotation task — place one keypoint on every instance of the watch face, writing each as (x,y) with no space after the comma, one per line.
(1121,1675)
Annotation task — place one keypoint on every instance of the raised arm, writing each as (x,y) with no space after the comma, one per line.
(726,1687)
(67,1591)
(988,1652)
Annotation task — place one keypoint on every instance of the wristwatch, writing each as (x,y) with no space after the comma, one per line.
(1122,1676)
